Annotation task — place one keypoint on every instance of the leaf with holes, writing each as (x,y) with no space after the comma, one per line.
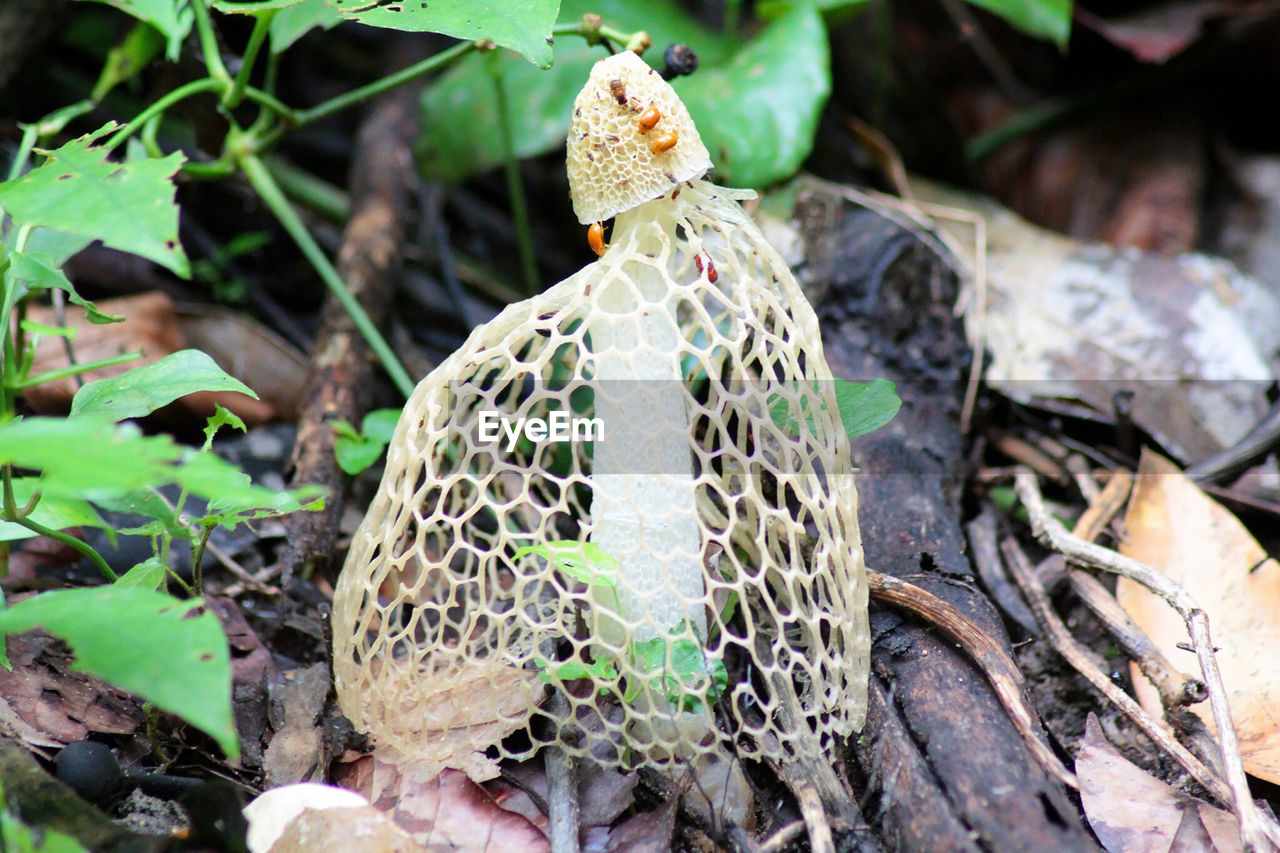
(522,25)
(128,206)
(145,642)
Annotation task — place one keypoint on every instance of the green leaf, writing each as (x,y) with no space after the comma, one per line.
(232,496)
(356,451)
(221,417)
(133,53)
(42,272)
(380,424)
(57,513)
(461,136)
(128,206)
(17,837)
(251,7)
(1046,19)
(356,454)
(58,245)
(296,21)
(600,670)
(758,112)
(583,561)
(171,17)
(145,642)
(142,390)
(769,9)
(685,673)
(866,406)
(88,458)
(148,574)
(863,406)
(522,25)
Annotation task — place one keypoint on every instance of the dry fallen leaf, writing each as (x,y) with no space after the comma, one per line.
(44,702)
(1176,528)
(441,810)
(1069,324)
(1133,812)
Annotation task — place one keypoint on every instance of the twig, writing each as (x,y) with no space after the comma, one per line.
(985,552)
(250,582)
(1176,688)
(1080,472)
(1026,453)
(985,52)
(783,837)
(1103,505)
(1001,671)
(725,834)
(562,790)
(1051,532)
(1082,661)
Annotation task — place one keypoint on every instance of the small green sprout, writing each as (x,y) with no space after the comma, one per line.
(680,669)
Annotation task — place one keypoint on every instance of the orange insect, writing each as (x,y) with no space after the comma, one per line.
(665,142)
(595,239)
(649,118)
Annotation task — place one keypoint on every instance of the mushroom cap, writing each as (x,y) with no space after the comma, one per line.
(612,163)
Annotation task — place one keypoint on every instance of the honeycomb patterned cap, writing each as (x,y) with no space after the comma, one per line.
(616,159)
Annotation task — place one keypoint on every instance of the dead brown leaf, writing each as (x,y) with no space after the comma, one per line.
(646,832)
(1176,528)
(46,703)
(1133,812)
(444,811)
(1068,325)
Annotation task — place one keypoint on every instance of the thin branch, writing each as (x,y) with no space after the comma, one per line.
(1050,531)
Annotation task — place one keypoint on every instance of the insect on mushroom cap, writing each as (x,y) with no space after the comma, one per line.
(612,166)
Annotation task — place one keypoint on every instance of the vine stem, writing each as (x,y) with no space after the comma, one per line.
(261,26)
(195,87)
(67,539)
(209,44)
(386,84)
(265,185)
(515,186)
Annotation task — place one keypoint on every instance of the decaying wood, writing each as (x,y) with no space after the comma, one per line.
(950,770)
(341,374)
(986,652)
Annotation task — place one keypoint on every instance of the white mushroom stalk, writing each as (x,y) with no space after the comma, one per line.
(631,139)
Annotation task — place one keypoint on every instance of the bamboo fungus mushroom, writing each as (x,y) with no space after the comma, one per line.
(718,559)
